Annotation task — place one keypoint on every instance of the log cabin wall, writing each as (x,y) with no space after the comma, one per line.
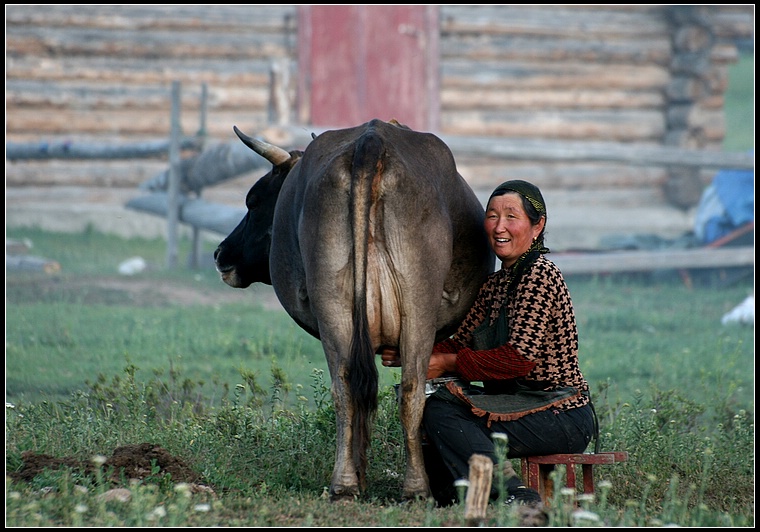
(645,75)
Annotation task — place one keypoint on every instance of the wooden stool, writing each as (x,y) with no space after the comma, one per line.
(536,470)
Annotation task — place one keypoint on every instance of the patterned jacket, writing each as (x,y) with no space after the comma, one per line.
(542,350)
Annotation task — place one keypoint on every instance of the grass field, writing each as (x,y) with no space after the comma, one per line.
(634,334)
(225,380)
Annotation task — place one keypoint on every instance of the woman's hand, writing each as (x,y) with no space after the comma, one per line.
(390,357)
(440,363)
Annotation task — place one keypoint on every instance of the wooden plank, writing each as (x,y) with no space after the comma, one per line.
(643,260)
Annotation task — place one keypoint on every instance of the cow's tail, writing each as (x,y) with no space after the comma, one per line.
(362,371)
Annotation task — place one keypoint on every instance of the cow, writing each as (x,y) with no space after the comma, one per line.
(371,239)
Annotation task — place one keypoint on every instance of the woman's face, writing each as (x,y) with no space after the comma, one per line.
(508,227)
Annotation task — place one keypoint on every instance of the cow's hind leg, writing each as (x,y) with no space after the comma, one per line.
(411,406)
(344,485)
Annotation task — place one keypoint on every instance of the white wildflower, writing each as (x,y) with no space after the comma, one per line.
(499,436)
(579,516)
(183,488)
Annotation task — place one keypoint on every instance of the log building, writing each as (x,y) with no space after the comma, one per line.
(643,75)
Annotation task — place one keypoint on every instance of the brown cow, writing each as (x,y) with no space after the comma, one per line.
(370,238)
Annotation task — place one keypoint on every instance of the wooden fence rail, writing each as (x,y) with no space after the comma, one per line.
(28,151)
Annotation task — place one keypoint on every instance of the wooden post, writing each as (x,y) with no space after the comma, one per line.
(479,492)
(173,188)
(195,253)
(279,92)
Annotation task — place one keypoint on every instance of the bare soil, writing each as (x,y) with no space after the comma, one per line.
(132,461)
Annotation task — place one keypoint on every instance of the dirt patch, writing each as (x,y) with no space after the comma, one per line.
(138,461)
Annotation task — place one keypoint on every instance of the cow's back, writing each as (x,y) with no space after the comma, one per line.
(423,249)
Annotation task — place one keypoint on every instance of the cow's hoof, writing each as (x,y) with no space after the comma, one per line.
(419,495)
(344,494)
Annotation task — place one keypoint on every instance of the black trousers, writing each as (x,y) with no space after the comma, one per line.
(454,434)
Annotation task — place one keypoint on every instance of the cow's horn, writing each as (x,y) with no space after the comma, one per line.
(270,152)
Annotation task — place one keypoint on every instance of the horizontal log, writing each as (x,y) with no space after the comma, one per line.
(565,75)
(76,150)
(221,219)
(652,50)
(486,172)
(218,162)
(73,122)
(179,17)
(520,149)
(294,137)
(634,261)
(109,173)
(190,71)
(618,125)
(138,44)
(711,122)
(105,96)
(543,99)
(552,21)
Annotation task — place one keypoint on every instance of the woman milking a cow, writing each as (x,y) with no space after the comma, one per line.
(520,341)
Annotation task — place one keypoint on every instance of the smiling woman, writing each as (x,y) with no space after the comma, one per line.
(520,341)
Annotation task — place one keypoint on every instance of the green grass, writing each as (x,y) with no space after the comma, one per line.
(740,105)
(633,334)
(242,394)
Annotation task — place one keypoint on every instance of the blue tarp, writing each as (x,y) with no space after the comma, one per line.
(727,204)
